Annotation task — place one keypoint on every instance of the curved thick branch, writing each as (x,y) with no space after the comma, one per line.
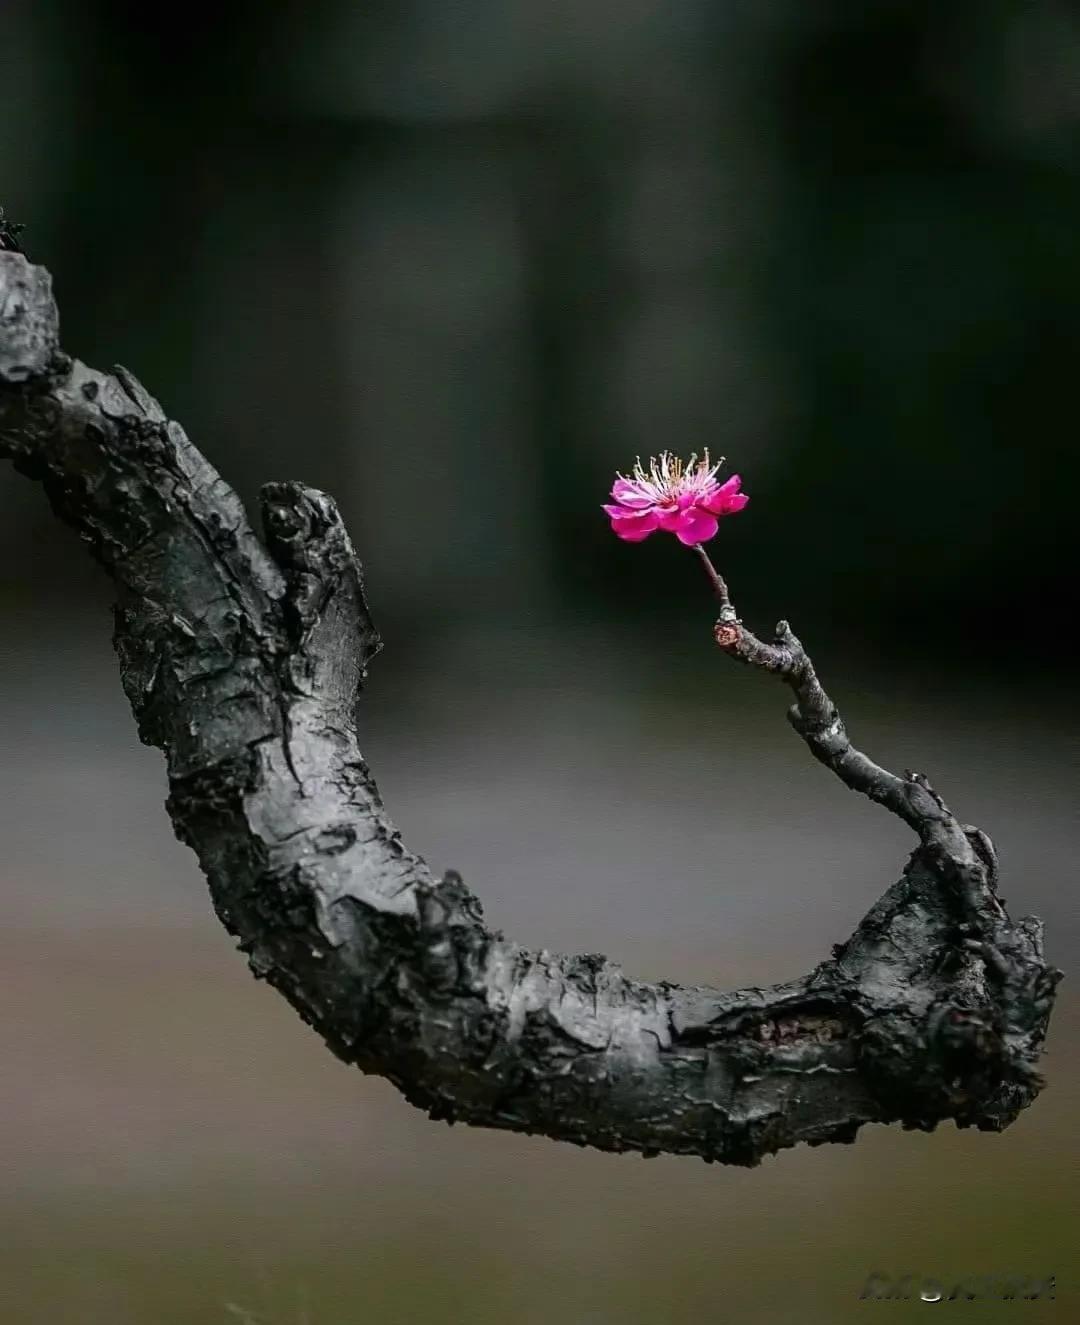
(242,659)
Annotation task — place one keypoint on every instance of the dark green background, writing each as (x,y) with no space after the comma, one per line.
(835,242)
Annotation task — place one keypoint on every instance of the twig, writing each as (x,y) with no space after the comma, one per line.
(719,584)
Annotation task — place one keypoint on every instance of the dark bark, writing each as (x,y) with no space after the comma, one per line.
(243,659)
(9,235)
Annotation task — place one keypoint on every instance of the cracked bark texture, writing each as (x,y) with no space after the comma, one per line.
(243,658)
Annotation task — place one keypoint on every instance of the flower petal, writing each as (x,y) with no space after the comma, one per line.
(633,528)
(727,499)
(618,512)
(630,494)
(697,526)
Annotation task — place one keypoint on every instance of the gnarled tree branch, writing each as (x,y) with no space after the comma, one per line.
(242,660)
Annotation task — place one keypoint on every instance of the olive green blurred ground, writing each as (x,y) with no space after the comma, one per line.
(176,1141)
(313,1197)
(456,263)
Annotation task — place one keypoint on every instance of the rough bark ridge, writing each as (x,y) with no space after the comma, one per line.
(242,660)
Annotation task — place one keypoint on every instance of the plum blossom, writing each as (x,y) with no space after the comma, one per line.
(680,499)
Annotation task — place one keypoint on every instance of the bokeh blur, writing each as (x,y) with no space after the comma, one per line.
(456,261)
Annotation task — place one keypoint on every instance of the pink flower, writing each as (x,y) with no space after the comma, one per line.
(684,500)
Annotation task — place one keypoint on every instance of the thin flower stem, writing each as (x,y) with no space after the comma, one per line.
(719,584)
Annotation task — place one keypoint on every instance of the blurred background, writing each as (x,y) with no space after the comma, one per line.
(457,263)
